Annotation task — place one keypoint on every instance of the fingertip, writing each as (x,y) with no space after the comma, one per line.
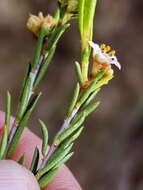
(64,180)
(14,177)
(2,118)
(26,147)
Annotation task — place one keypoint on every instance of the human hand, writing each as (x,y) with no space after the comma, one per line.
(16,177)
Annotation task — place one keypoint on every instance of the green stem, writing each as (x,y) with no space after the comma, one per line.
(37,53)
(85,63)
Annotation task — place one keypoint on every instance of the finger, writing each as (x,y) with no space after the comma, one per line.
(15,177)
(26,145)
(2,118)
(64,179)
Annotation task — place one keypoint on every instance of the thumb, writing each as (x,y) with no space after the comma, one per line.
(15,177)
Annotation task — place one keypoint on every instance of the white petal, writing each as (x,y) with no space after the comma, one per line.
(96,48)
(102,58)
(118,64)
(113,60)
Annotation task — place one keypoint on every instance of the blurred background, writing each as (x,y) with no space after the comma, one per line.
(109,154)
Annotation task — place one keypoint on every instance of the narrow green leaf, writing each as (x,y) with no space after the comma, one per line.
(28,70)
(35,161)
(91,88)
(81,15)
(44,67)
(103,81)
(50,49)
(61,153)
(56,158)
(74,137)
(21,160)
(3,142)
(65,159)
(85,60)
(38,50)
(87,110)
(45,179)
(70,130)
(78,72)
(44,137)
(91,97)
(24,100)
(88,17)
(55,36)
(22,124)
(90,108)
(57,15)
(8,110)
(73,100)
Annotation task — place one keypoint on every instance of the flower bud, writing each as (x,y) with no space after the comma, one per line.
(72,5)
(35,23)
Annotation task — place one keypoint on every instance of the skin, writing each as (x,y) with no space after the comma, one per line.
(16,177)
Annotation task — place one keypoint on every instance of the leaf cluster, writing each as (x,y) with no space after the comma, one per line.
(81,103)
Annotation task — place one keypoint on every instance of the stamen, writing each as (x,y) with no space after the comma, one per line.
(108,48)
(102,46)
(111,53)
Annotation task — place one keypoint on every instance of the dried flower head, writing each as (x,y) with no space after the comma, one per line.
(103,58)
(34,23)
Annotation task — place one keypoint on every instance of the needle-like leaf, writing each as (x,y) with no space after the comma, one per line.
(55,36)
(3,142)
(73,100)
(46,178)
(71,129)
(44,67)
(90,98)
(21,160)
(56,158)
(44,137)
(38,50)
(78,72)
(22,124)
(91,88)
(35,161)
(8,110)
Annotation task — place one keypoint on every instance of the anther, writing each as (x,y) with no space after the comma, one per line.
(111,53)
(108,48)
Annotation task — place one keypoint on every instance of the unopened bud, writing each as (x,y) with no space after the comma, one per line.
(34,23)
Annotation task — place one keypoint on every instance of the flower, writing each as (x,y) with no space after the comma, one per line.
(103,58)
(34,23)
